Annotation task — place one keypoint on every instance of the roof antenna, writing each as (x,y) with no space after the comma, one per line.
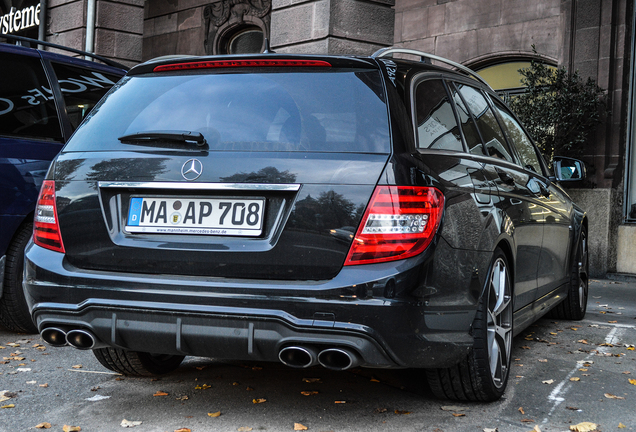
(268,50)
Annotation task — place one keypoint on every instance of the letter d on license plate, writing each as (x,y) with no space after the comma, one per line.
(204,216)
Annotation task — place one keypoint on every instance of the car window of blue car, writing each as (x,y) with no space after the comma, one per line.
(81,89)
(27,106)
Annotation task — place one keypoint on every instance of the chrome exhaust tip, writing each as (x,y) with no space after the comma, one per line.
(81,339)
(338,359)
(54,336)
(298,357)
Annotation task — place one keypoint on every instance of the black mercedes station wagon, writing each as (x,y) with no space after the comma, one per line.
(342,211)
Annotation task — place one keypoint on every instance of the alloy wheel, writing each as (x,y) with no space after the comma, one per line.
(499,322)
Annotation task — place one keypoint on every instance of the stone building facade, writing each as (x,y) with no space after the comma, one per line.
(595,37)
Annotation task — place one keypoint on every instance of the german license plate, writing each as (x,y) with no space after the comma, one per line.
(204,216)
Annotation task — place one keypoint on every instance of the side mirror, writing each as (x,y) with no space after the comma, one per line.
(568,169)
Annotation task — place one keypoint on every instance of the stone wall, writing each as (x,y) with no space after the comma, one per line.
(173,27)
(118,27)
(332,26)
(603,208)
(469,30)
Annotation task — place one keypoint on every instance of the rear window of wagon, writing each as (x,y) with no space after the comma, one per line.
(335,111)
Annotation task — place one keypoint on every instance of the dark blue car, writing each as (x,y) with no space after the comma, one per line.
(43,98)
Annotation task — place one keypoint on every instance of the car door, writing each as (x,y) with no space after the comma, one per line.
(518,200)
(553,211)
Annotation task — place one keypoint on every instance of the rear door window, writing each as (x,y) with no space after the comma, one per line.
(520,140)
(27,107)
(469,129)
(491,133)
(82,89)
(435,120)
(339,111)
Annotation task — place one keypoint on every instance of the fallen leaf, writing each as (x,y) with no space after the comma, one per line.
(182,430)
(13,345)
(536,429)
(309,393)
(583,369)
(527,420)
(453,408)
(459,414)
(490,430)
(77,367)
(611,322)
(575,379)
(586,362)
(632,381)
(550,381)
(611,396)
(182,398)
(244,429)
(340,402)
(236,383)
(374,380)
(160,393)
(8,406)
(44,425)
(573,408)
(553,333)
(583,427)
(68,428)
(401,412)
(525,347)
(583,341)
(45,385)
(249,389)
(298,426)
(631,348)
(543,360)
(521,410)
(621,426)
(627,373)
(380,410)
(260,400)
(215,414)
(311,380)
(607,345)
(128,424)
(204,387)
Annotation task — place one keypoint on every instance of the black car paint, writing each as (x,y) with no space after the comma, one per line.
(429,300)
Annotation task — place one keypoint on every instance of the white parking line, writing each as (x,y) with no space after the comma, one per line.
(556,396)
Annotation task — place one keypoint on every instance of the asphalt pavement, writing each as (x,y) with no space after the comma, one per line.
(564,373)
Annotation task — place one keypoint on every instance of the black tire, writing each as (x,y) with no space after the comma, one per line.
(134,363)
(14,312)
(483,374)
(575,304)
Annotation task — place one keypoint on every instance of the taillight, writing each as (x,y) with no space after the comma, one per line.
(241,63)
(399,223)
(46,227)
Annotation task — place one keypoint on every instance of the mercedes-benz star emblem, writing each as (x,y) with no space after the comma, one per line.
(192,169)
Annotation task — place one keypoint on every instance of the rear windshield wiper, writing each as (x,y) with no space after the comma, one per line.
(167,136)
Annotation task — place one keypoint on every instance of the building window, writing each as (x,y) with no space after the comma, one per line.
(242,41)
(504,77)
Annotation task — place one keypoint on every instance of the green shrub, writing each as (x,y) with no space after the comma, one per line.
(559,110)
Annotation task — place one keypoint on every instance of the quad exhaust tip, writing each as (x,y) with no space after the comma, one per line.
(298,356)
(54,336)
(338,359)
(81,339)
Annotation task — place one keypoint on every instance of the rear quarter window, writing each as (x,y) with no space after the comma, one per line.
(337,111)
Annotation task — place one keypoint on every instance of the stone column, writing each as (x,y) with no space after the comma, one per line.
(331,26)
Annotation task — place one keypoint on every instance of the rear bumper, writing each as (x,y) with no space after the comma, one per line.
(372,310)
